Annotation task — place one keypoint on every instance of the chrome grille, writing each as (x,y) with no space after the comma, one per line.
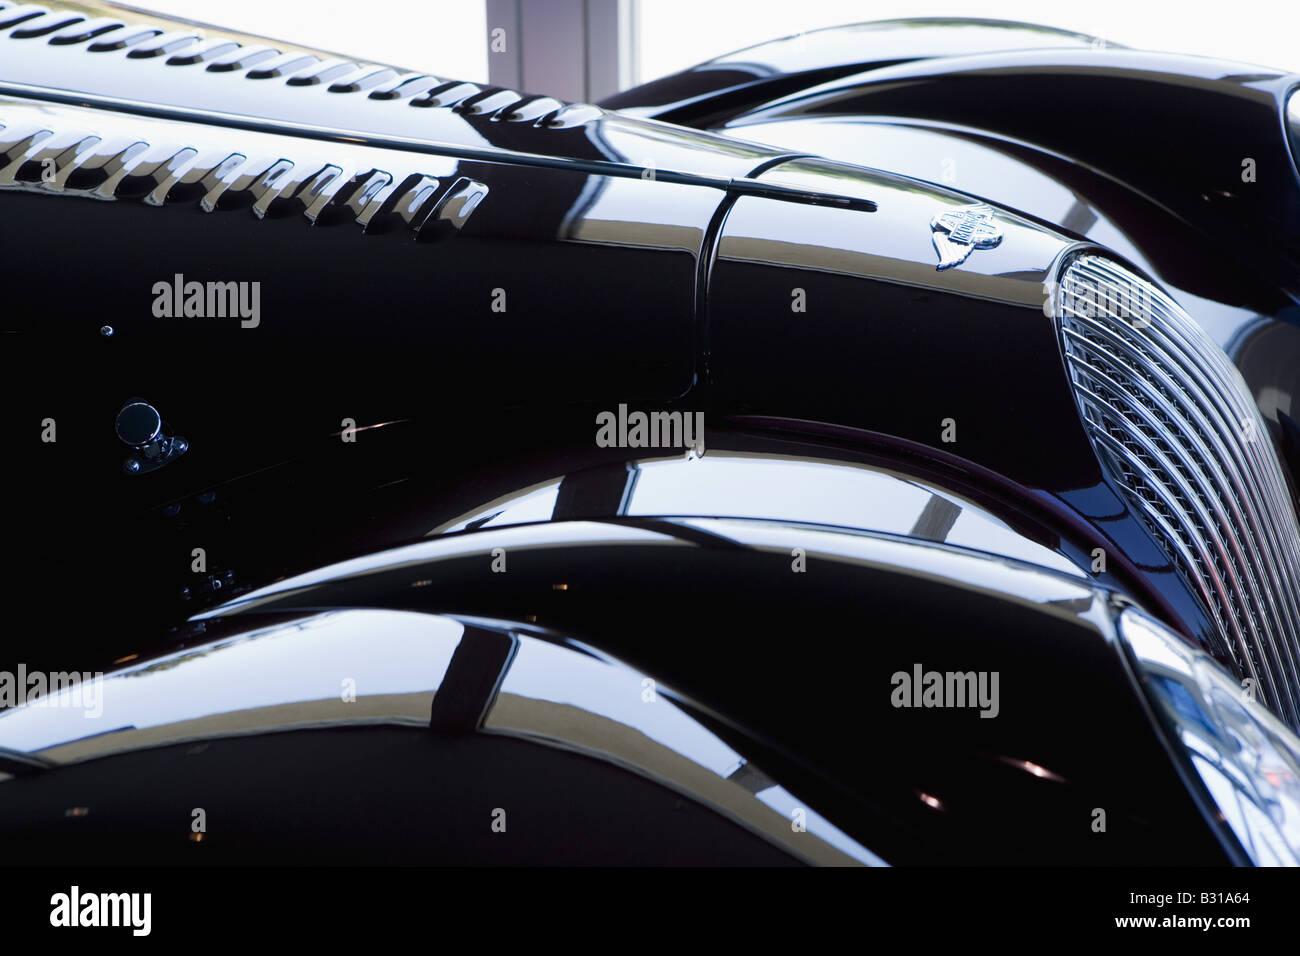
(1172,420)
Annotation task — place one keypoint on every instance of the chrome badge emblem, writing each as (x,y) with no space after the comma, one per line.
(958,231)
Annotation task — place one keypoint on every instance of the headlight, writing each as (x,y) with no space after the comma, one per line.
(1247,760)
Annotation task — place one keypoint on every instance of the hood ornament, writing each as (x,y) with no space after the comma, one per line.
(958,231)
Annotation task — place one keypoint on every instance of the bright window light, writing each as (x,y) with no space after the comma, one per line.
(674,34)
(442,37)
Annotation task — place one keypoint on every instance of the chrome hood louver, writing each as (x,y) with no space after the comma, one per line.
(144,43)
(1174,423)
(109,157)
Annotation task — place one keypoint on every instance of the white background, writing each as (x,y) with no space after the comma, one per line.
(443,37)
(677,33)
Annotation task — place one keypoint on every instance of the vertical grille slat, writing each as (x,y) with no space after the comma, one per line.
(1177,429)
(1202,432)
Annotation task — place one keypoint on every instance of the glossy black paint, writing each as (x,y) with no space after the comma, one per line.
(1149,101)
(966,109)
(395,775)
(913,786)
(1223,238)
(653,265)
(402,330)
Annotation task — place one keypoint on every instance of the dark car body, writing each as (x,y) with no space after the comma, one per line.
(454,281)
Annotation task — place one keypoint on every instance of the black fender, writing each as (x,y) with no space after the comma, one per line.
(729,85)
(1231,172)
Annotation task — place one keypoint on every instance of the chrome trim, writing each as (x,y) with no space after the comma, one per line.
(959,232)
(297,67)
(105,150)
(1174,423)
(739,185)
